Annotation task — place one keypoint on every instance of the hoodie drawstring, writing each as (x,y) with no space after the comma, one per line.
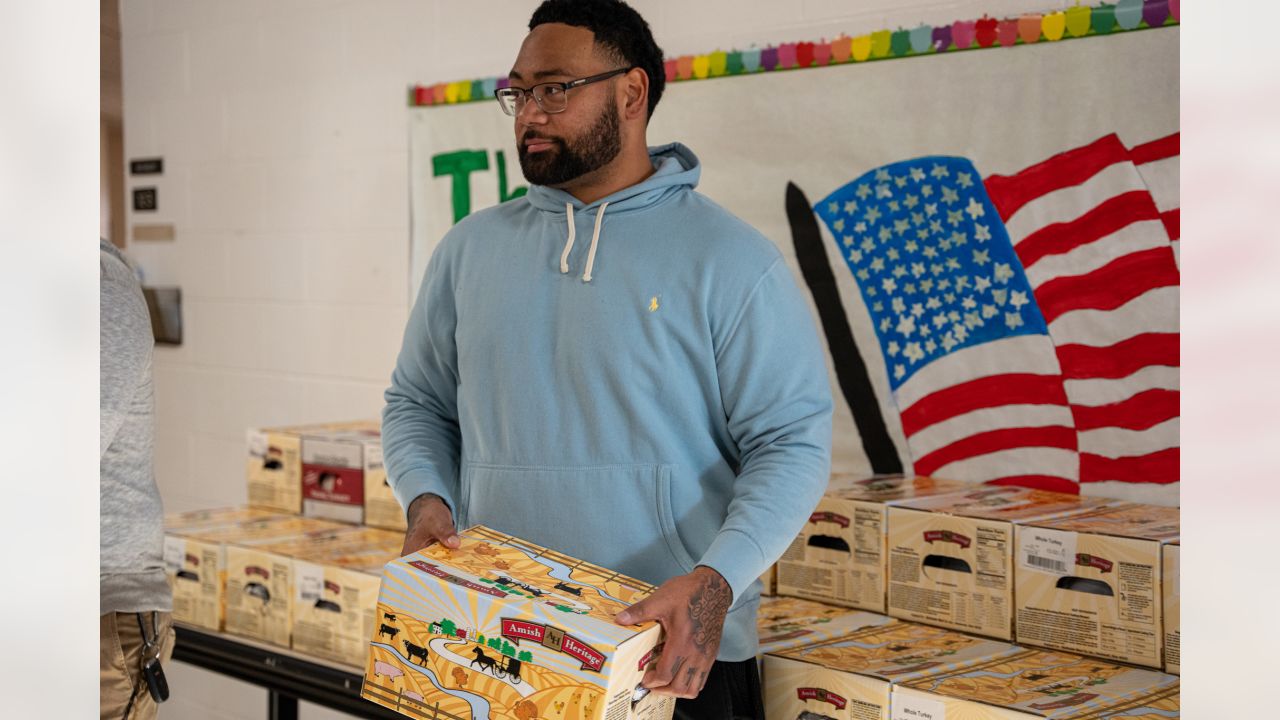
(595,241)
(568,244)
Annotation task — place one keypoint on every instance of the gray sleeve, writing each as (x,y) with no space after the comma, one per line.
(126,341)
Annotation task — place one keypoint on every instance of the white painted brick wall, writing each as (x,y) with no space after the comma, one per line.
(282,126)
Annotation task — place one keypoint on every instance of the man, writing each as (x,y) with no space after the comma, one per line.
(135,602)
(651,397)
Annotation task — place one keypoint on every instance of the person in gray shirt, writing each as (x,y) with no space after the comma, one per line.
(135,603)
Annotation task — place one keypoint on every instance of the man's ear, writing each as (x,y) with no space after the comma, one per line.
(636,93)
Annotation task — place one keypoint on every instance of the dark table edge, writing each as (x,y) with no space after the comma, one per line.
(280,673)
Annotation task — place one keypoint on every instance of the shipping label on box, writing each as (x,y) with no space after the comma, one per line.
(850,678)
(785,622)
(1172,608)
(259,590)
(503,628)
(951,556)
(839,556)
(381,509)
(1028,684)
(1081,588)
(335,589)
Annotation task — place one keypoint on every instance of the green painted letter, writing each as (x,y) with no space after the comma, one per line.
(459,165)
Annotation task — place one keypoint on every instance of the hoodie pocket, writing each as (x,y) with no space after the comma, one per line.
(616,516)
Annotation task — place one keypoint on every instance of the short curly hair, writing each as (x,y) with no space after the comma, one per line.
(619,30)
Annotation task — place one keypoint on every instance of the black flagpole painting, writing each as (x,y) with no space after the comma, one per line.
(851,371)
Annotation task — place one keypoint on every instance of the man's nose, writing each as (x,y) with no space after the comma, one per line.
(531,113)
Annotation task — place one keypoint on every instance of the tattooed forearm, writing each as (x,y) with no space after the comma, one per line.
(707,608)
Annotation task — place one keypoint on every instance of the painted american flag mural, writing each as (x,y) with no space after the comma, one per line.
(1049,357)
(1157,162)
(1028,322)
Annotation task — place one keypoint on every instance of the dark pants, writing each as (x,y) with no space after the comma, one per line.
(732,692)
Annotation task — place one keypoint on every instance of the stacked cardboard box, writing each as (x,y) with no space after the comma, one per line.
(1172,607)
(839,555)
(195,560)
(330,470)
(1028,685)
(334,578)
(504,628)
(1091,583)
(274,466)
(216,516)
(951,555)
(784,622)
(334,467)
(196,557)
(851,678)
(381,508)
(259,585)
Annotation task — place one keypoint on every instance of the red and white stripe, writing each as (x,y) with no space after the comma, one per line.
(993,412)
(1096,251)
(1158,162)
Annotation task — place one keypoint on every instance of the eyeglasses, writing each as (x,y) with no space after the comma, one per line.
(552,97)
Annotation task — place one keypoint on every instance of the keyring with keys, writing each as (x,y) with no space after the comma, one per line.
(157,685)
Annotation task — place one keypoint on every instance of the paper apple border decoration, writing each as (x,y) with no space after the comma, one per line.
(1073,22)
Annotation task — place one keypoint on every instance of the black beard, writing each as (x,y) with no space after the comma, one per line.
(597,148)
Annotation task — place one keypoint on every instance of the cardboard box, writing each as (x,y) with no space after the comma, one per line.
(195,560)
(1161,704)
(381,508)
(335,582)
(1091,583)
(851,678)
(333,471)
(259,589)
(274,464)
(217,516)
(1172,572)
(1030,684)
(951,556)
(503,628)
(274,469)
(783,622)
(839,556)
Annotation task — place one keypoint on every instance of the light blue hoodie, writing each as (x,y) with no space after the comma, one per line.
(636,382)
